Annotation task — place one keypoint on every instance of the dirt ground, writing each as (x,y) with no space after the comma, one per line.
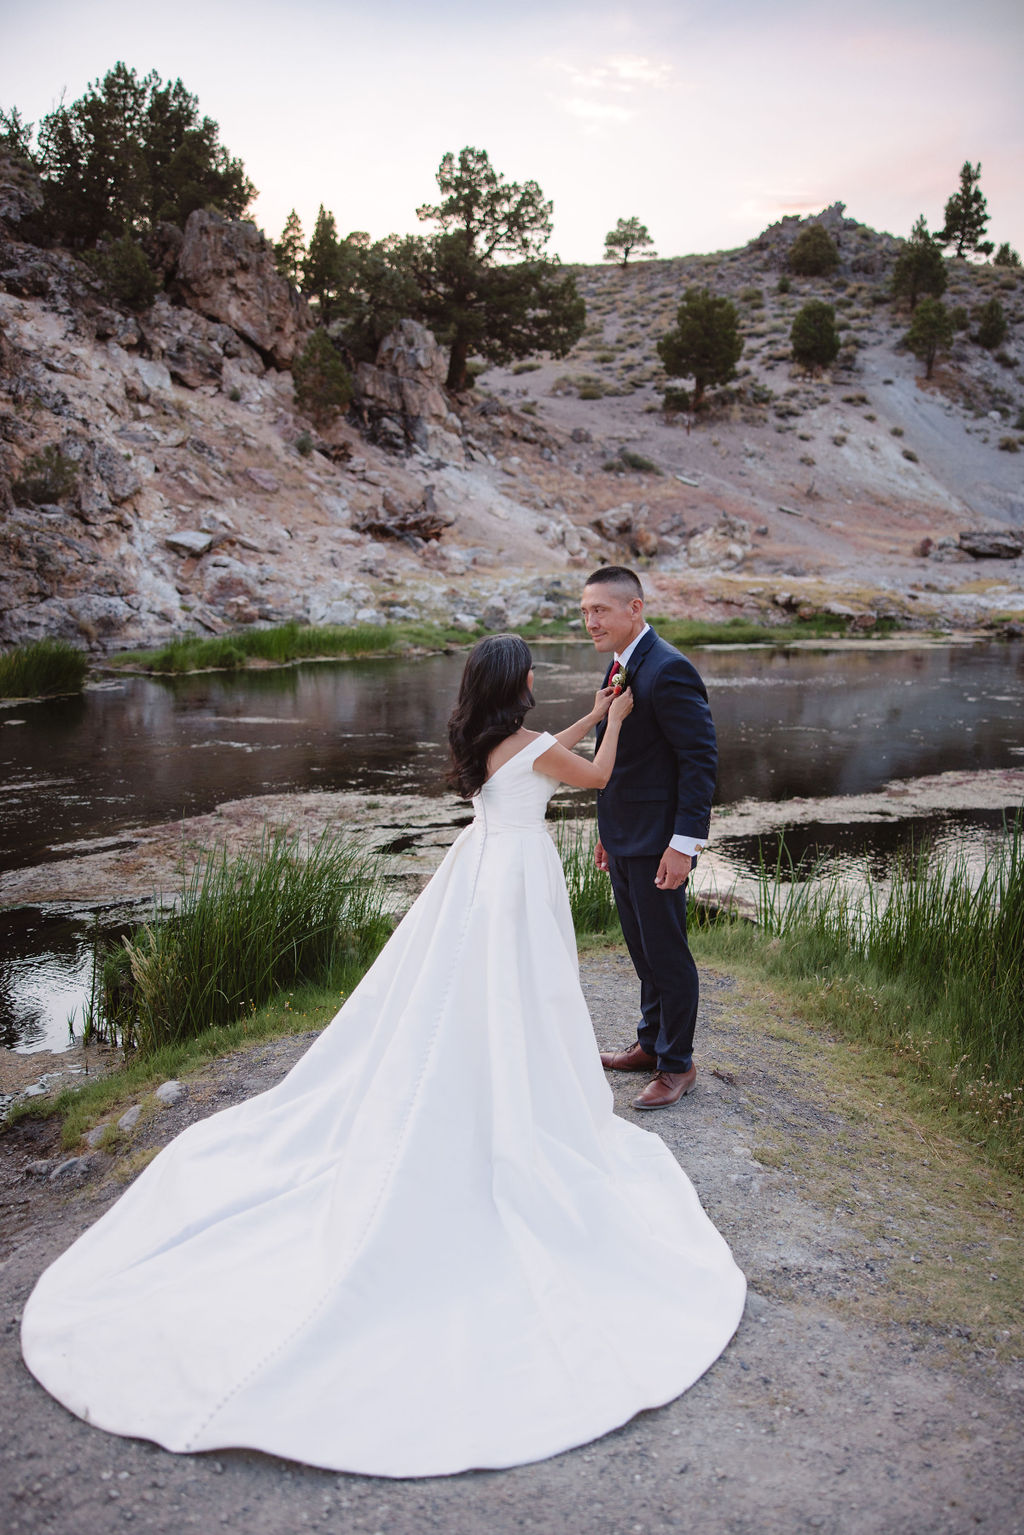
(876,1382)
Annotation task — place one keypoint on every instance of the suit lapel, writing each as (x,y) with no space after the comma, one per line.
(635,661)
(639,655)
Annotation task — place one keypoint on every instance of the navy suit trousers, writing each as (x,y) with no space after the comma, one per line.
(654,927)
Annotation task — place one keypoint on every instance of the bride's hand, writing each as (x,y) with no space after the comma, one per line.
(602,702)
(621,706)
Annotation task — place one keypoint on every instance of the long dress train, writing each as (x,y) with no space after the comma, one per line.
(403,1258)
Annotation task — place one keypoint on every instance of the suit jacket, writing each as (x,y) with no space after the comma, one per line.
(665,767)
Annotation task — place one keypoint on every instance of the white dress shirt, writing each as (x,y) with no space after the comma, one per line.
(688,845)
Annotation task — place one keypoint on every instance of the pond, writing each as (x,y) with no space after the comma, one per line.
(135,751)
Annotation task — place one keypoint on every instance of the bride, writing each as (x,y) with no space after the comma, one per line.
(404,1258)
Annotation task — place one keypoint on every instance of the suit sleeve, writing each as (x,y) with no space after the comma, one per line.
(681,711)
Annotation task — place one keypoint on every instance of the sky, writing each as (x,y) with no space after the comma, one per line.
(706,121)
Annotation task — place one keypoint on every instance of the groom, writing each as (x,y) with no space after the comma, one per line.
(653,820)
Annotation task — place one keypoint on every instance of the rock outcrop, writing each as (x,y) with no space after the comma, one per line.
(225,270)
(992,543)
(403,394)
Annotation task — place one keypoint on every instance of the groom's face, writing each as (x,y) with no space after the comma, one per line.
(612,617)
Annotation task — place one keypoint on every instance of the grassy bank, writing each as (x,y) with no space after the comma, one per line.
(42,669)
(276,916)
(287,643)
(933,971)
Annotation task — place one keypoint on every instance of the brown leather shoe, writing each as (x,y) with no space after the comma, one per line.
(666,1088)
(633,1059)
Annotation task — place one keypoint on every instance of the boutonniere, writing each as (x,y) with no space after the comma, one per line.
(617,681)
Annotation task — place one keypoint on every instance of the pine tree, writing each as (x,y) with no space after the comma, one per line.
(931,331)
(130,153)
(705,343)
(629,235)
(919,267)
(290,250)
(992,325)
(1006,255)
(813,335)
(323,385)
(967,215)
(474,304)
(322,266)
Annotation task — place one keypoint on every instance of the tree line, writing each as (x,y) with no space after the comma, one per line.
(134,152)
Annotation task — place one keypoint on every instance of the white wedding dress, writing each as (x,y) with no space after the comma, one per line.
(432,1246)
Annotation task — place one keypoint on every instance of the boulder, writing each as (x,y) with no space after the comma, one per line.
(992,543)
(405,388)
(189,541)
(225,270)
(615,523)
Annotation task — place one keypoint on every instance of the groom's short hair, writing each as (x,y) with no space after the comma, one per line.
(627,581)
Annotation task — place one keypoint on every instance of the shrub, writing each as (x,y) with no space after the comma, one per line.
(813,253)
(42,669)
(234,394)
(304,444)
(1006,256)
(1009,445)
(705,344)
(992,325)
(959,318)
(125,273)
(784,284)
(920,268)
(813,336)
(46,477)
(676,399)
(930,332)
(243,929)
(323,385)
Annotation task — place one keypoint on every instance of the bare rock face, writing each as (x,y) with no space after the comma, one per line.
(225,270)
(404,390)
(992,543)
(21,194)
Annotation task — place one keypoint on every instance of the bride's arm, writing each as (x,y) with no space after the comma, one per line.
(558,762)
(572,735)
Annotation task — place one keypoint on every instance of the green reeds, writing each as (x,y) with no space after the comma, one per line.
(275,916)
(590,891)
(932,966)
(42,669)
(287,642)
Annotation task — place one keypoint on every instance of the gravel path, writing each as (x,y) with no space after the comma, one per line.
(875,1383)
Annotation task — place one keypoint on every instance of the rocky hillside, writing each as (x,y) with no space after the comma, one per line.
(156,477)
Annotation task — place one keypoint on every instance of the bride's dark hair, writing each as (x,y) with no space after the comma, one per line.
(492,704)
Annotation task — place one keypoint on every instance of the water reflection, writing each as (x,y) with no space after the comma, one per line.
(789,723)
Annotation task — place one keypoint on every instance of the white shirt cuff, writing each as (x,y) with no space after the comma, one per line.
(688,845)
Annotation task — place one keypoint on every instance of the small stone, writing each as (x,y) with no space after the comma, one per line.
(188,541)
(41,1169)
(169,1092)
(130,1118)
(93,1137)
(73,1171)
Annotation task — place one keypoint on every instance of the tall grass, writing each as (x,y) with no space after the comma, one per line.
(933,967)
(590,892)
(42,669)
(284,643)
(276,916)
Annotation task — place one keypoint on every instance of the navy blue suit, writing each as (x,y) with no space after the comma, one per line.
(662,784)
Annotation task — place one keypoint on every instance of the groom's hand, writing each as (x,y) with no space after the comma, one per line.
(673,870)
(600,859)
